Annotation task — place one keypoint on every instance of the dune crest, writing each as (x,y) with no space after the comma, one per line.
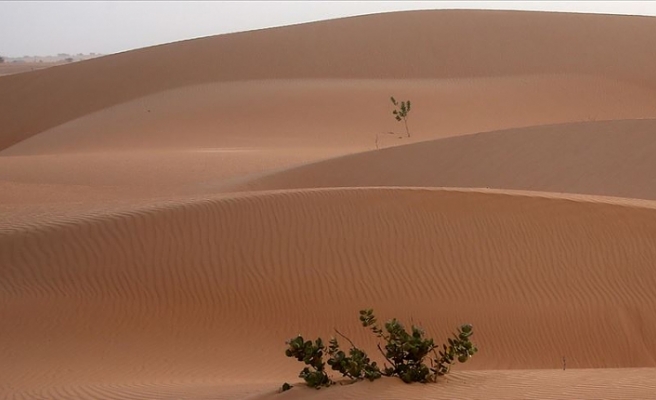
(539,278)
(445,44)
(169,216)
(605,158)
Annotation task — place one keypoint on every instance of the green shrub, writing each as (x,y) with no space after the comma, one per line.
(356,366)
(401,112)
(311,354)
(406,352)
(460,349)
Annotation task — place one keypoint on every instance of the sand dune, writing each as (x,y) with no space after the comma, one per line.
(539,384)
(170,216)
(340,115)
(188,289)
(583,384)
(408,45)
(8,68)
(176,145)
(610,158)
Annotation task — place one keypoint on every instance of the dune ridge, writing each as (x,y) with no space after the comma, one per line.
(446,44)
(607,158)
(165,278)
(343,115)
(170,216)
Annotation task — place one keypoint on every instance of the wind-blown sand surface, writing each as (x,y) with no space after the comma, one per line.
(9,68)
(170,216)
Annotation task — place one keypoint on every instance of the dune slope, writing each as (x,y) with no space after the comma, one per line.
(169,216)
(341,116)
(408,45)
(196,291)
(610,158)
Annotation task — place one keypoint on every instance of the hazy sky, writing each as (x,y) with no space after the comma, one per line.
(51,27)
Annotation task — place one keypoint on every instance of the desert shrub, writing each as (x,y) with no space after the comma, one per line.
(355,366)
(406,352)
(460,349)
(2,59)
(401,112)
(403,350)
(312,355)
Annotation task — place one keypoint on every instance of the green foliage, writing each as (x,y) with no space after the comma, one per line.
(460,349)
(312,355)
(356,365)
(405,351)
(401,112)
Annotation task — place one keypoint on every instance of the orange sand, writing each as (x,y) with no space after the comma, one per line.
(170,216)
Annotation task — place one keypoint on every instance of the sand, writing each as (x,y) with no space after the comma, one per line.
(10,68)
(169,216)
